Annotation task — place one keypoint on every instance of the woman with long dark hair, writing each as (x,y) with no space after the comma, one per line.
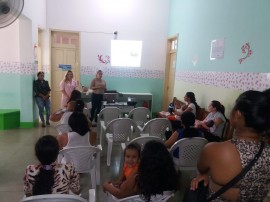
(222,161)
(156,174)
(49,177)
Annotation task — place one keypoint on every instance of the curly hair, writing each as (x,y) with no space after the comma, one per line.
(156,172)
(78,123)
(254,106)
(46,150)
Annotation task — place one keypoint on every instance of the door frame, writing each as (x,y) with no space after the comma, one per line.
(165,100)
(50,53)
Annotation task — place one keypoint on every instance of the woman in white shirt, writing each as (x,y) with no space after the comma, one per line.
(191,105)
(80,132)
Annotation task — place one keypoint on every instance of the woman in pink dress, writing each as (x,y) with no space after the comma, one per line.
(67,85)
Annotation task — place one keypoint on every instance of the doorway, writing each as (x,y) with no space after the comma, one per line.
(168,87)
(64,51)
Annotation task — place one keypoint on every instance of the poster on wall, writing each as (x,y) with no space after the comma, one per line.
(65,67)
(217,49)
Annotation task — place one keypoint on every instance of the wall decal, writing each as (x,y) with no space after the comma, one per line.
(245,49)
(104,61)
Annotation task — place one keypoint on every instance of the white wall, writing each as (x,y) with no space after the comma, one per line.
(98,19)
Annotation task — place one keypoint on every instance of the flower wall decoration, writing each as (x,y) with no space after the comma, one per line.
(105,60)
(245,49)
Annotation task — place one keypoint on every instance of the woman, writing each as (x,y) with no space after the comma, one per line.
(80,132)
(98,85)
(156,174)
(191,105)
(67,85)
(49,177)
(223,161)
(188,130)
(214,123)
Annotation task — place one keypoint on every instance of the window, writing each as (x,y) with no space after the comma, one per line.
(125,53)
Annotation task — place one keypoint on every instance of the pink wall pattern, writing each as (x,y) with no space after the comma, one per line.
(124,72)
(17,68)
(233,80)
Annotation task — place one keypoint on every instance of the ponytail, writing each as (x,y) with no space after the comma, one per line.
(44,181)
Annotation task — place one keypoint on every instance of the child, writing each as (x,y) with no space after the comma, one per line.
(132,156)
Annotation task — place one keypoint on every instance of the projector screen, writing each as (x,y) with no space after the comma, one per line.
(125,53)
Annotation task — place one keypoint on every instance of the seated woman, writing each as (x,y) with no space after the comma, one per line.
(156,174)
(214,123)
(222,161)
(49,177)
(191,105)
(188,130)
(80,134)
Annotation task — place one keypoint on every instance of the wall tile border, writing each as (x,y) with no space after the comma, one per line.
(233,80)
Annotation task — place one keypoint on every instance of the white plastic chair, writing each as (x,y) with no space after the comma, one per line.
(62,128)
(189,152)
(119,130)
(85,159)
(105,116)
(156,127)
(60,198)
(141,115)
(137,198)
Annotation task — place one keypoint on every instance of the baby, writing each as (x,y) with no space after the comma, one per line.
(132,157)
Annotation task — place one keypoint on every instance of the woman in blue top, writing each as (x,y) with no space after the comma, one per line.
(188,130)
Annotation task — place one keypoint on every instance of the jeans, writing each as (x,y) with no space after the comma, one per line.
(41,103)
(96,105)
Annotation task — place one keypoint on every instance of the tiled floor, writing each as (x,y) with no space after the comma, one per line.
(17,151)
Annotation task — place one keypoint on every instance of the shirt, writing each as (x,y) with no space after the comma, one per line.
(41,87)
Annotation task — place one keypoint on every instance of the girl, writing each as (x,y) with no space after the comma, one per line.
(132,157)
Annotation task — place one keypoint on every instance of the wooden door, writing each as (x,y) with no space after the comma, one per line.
(168,88)
(63,51)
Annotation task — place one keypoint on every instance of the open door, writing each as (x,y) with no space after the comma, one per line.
(168,87)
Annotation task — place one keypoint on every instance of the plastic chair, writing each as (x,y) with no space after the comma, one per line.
(85,159)
(140,115)
(189,150)
(137,198)
(119,130)
(105,116)
(157,127)
(60,198)
(62,128)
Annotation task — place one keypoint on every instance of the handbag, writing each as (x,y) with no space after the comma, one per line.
(201,193)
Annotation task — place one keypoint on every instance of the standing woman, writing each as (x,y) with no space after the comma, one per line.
(67,85)
(98,85)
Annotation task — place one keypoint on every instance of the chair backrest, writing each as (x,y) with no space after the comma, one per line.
(62,128)
(143,140)
(108,114)
(137,198)
(122,129)
(227,130)
(54,198)
(189,150)
(84,158)
(140,115)
(157,127)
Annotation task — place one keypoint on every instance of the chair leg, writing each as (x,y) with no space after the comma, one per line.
(98,169)
(109,153)
(93,178)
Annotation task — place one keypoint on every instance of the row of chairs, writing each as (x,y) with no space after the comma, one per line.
(188,149)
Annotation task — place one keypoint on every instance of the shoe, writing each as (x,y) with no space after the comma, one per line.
(48,123)
(43,125)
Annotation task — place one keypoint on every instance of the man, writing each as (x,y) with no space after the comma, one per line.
(42,96)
